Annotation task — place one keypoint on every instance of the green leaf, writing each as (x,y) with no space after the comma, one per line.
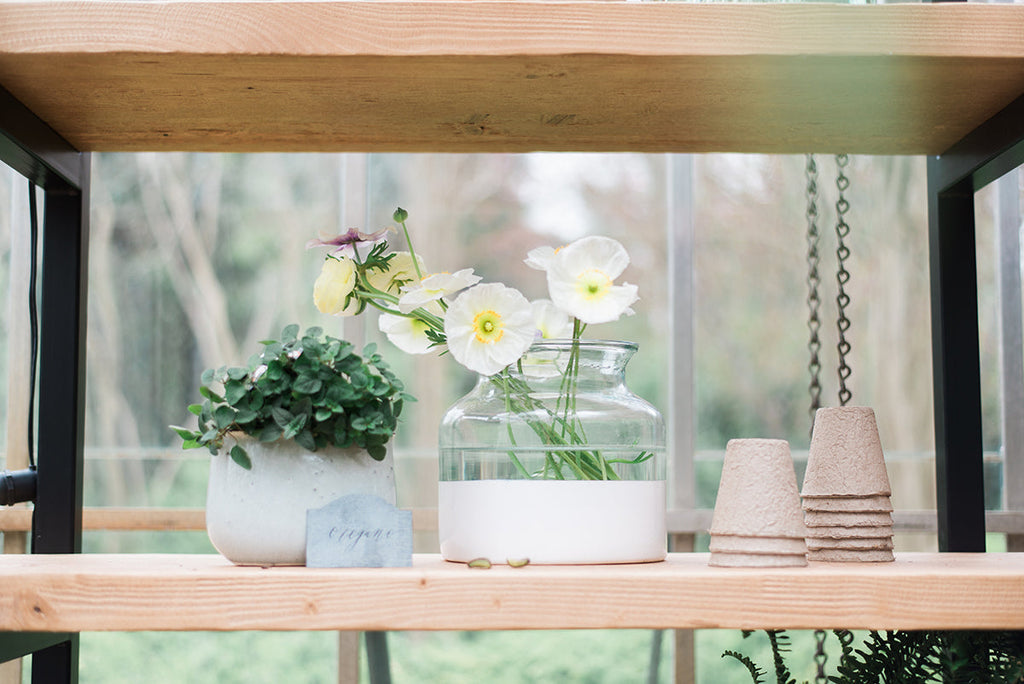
(275,371)
(290,332)
(323,414)
(245,416)
(377,452)
(196,409)
(307,384)
(239,456)
(207,377)
(281,416)
(305,440)
(316,332)
(269,432)
(237,373)
(234,391)
(223,417)
(210,394)
(294,426)
(185,433)
(272,350)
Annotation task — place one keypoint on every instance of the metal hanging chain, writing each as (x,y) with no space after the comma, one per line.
(842,277)
(820,657)
(813,282)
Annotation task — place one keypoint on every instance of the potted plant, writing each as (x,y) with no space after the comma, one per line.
(306,421)
(550,458)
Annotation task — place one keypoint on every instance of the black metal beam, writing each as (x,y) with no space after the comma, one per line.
(19,644)
(986,153)
(30,147)
(956,365)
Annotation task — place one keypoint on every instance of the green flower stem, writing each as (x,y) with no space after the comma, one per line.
(557,429)
(421,314)
(434,321)
(412,252)
(511,435)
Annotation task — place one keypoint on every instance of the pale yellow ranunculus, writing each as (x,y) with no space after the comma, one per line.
(336,280)
(401,270)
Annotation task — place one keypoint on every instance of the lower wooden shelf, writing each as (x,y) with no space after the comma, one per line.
(94,592)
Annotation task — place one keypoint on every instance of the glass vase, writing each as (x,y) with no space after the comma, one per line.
(552,461)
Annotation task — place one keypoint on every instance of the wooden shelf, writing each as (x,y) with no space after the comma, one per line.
(205,592)
(435,75)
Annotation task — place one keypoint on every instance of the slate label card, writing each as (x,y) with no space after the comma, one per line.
(358,531)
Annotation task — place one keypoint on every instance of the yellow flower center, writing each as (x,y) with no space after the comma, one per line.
(488,327)
(593,283)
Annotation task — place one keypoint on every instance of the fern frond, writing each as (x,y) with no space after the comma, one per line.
(756,673)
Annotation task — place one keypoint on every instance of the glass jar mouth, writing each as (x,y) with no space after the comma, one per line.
(560,343)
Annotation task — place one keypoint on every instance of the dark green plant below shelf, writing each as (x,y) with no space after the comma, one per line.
(909,657)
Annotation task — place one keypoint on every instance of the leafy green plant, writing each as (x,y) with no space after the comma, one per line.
(312,389)
(779,641)
(958,657)
(911,657)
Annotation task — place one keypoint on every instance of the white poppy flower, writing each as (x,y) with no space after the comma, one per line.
(539,258)
(334,284)
(434,287)
(551,321)
(581,280)
(409,334)
(489,327)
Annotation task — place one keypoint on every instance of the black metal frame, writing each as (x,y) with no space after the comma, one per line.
(29,146)
(33,149)
(991,150)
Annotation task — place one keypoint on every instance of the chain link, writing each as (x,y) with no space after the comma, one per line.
(820,657)
(842,277)
(813,282)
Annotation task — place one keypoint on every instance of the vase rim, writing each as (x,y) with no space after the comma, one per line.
(560,342)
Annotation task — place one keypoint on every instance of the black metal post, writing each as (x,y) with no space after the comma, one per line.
(992,149)
(57,523)
(956,369)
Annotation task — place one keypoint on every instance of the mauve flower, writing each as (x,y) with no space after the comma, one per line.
(347,243)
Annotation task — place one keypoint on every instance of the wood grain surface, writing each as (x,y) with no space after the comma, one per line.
(512,76)
(206,592)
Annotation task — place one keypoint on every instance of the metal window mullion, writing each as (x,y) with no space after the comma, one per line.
(1008,246)
(681,402)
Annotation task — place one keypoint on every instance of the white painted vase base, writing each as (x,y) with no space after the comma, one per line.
(552,522)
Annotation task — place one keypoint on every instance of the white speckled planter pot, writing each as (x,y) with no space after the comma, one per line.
(258,516)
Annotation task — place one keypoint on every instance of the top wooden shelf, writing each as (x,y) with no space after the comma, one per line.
(53,593)
(434,75)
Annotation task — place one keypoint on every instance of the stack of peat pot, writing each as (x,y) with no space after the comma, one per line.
(846,493)
(757,520)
